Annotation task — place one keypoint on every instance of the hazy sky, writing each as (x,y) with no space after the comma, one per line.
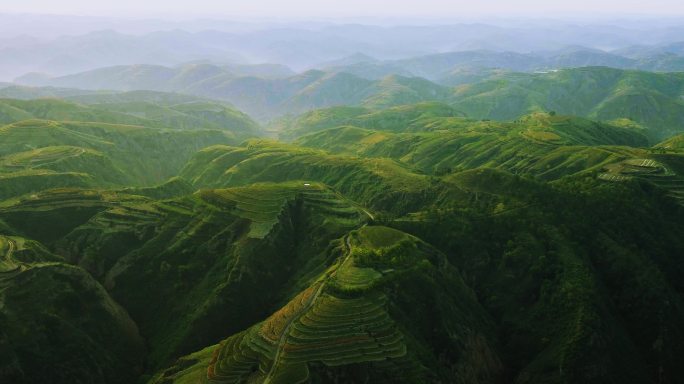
(343,8)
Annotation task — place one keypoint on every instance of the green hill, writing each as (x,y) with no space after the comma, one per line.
(272,273)
(275,233)
(146,109)
(58,324)
(102,151)
(381,184)
(263,97)
(650,99)
(56,109)
(674,143)
(150,237)
(405,118)
(358,320)
(527,250)
(166,99)
(56,167)
(20,183)
(124,143)
(65,159)
(542,145)
(549,304)
(174,187)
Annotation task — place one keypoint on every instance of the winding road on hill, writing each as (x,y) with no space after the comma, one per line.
(302,311)
(78,153)
(344,198)
(11,246)
(10,267)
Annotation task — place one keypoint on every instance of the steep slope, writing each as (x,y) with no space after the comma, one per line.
(675,143)
(176,265)
(64,159)
(380,184)
(533,282)
(569,277)
(356,322)
(652,100)
(269,98)
(148,155)
(188,116)
(58,324)
(542,145)
(157,110)
(55,109)
(662,170)
(174,187)
(54,167)
(403,118)
(261,97)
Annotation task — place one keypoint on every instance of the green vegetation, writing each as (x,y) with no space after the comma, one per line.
(151,237)
(58,323)
(345,318)
(542,145)
(378,183)
(638,98)
(130,241)
(652,100)
(148,109)
(98,151)
(263,97)
(406,118)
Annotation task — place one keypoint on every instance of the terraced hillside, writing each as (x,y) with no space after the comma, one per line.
(191,255)
(187,116)
(58,324)
(112,146)
(96,154)
(150,109)
(542,145)
(64,159)
(24,182)
(566,275)
(650,170)
(345,318)
(174,187)
(675,143)
(405,118)
(284,272)
(380,184)
(653,100)
(409,244)
(547,146)
(262,97)
(55,109)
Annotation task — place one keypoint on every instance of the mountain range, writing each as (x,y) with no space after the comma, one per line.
(68,49)
(652,101)
(241,202)
(409,244)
